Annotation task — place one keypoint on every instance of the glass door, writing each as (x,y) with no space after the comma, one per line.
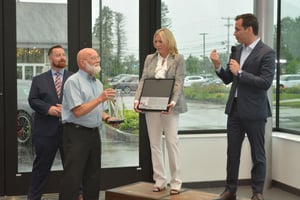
(40,24)
(115,36)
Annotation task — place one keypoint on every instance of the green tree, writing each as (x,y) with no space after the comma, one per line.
(192,65)
(120,36)
(290,44)
(206,66)
(131,65)
(290,31)
(103,31)
(292,67)
(195,66)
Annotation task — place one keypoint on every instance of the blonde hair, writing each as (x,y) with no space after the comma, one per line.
(167,38)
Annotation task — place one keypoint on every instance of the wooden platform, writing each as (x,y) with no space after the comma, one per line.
(143,191)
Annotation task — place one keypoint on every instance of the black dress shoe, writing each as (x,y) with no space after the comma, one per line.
(226,195)
(257,196)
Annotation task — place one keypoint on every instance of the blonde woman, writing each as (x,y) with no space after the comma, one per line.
(165,63)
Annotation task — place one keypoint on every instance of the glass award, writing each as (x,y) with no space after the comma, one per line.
(116,108)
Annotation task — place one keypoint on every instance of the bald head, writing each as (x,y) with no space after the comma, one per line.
(85,54)
(88,57)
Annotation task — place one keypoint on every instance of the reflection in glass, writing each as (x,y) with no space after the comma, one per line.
(25,113)
(115,36)
(37,31)
(28,72)
(211,28)
(289,80)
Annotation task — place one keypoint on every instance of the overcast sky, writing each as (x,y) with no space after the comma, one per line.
(191,20)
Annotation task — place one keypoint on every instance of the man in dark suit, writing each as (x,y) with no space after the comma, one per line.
(45,99)
(250,70)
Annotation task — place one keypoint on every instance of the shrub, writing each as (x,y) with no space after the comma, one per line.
(131,122)
(208,93)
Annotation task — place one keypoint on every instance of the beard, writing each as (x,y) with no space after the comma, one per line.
(93,69)
(60,65)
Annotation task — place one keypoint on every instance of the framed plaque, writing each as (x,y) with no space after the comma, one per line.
(156,94)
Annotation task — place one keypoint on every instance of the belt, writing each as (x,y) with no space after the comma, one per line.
(79,126)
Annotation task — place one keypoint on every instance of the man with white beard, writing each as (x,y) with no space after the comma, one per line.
(82,114)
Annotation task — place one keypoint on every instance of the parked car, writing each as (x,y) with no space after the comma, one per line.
(189,80)
(25,114)
(213,81)
(207,76)
(288,80)
(118,77)
(126,84)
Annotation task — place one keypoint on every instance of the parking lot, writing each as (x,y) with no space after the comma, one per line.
(200,116)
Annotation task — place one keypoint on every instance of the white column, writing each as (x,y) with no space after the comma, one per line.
(264,11)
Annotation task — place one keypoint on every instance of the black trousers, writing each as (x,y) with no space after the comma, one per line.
(82,149)
(46,148)
(236,130)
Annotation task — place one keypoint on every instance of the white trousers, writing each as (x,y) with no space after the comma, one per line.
(157,124)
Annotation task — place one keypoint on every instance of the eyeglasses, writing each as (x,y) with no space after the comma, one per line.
(95,58)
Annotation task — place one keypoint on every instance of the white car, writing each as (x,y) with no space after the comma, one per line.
(189,80)
(288,80)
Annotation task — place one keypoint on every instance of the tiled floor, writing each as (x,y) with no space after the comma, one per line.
(243,192)
(269,194)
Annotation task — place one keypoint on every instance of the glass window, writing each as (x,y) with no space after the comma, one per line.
(115,35)
(40,25)
(289,80)
(199,28)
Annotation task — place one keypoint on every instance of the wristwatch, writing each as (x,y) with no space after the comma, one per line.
(240,73)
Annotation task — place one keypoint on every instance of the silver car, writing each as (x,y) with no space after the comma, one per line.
(25,114)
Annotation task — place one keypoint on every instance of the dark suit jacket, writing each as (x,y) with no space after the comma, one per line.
(256,79)
(41,97)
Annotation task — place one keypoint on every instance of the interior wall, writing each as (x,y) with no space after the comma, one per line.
(203,158)
(286,159)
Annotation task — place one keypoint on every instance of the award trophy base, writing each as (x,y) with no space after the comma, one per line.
(116,121)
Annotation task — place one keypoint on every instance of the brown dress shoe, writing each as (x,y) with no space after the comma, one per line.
(80,197)
(226,195)
(257,196)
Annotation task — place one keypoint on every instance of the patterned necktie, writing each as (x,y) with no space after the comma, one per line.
(57,84)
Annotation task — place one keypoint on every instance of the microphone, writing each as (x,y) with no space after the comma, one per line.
(233,54)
